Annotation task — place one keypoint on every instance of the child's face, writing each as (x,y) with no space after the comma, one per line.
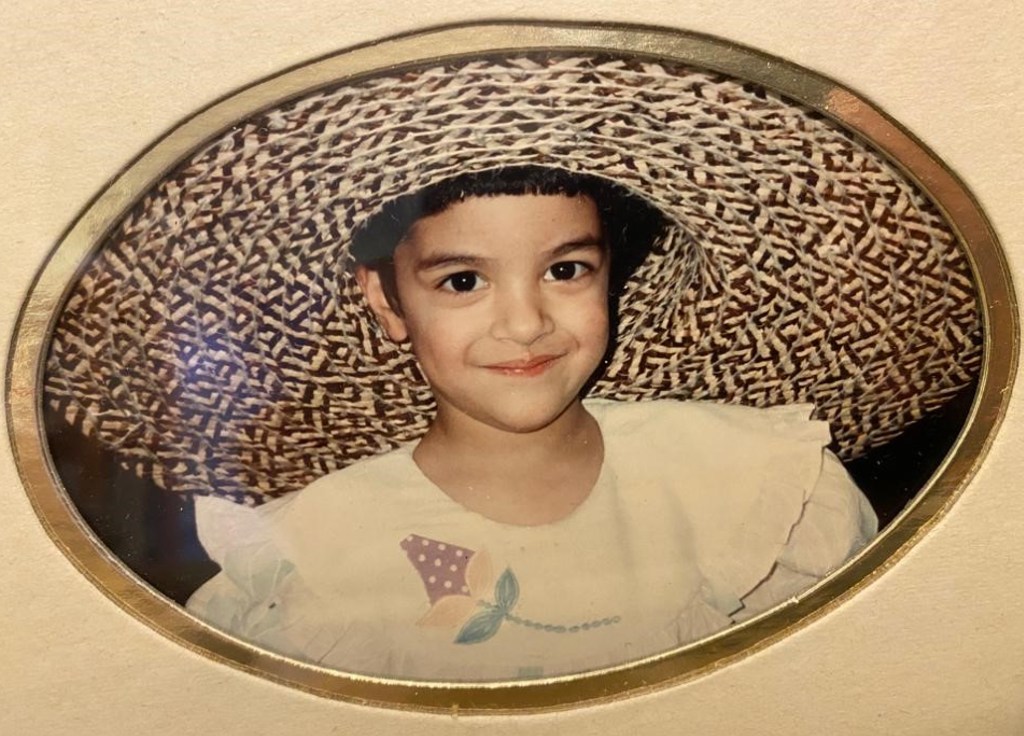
(505,303)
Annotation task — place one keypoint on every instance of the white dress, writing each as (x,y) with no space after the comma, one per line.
(703,515)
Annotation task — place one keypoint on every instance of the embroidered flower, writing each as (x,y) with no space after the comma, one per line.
(445,567)
(485,624)
(455,578)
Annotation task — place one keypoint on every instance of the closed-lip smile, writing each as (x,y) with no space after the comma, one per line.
(532,366)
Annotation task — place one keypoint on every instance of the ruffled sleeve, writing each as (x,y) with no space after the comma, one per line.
(769,510)
(237,538)
(792,516)
(836,522)
(258,595)
(310,576)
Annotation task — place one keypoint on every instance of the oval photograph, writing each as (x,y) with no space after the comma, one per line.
(522,373)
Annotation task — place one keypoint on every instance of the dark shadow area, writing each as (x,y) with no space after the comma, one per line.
(154,532)
(891,475)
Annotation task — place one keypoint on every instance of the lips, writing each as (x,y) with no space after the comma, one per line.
(532,366)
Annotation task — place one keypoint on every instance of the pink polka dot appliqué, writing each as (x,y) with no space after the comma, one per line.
(441,565)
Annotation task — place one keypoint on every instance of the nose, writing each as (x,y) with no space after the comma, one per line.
(521,316)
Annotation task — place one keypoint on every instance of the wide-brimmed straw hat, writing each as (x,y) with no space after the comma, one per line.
(218,342)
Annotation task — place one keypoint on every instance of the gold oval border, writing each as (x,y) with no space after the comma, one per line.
(85,237)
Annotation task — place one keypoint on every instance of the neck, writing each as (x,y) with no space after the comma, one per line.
(524,478)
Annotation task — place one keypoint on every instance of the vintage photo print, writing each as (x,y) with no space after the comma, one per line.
(512,366)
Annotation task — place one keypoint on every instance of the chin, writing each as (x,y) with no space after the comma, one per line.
(524,420)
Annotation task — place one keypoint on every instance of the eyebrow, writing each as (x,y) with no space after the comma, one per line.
(447,259)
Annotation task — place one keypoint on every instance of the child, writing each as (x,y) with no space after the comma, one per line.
(529,532)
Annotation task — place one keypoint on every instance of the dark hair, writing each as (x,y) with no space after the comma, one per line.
(630,224)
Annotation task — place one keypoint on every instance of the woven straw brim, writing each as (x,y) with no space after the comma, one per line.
(219,344)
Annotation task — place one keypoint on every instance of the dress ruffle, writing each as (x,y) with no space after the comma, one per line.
(782,498)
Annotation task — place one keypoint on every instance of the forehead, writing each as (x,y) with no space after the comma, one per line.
(506,225)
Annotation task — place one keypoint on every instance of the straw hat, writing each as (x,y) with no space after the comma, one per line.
(218,342)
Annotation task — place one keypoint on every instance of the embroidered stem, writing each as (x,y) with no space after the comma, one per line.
(482,626)
(553,628)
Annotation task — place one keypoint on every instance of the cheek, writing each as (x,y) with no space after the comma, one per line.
(437,342)
(590,324)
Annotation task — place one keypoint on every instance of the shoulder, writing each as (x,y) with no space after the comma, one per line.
(699,418)
(351,508)
(364,490)
(302,548)
(367,487)
(758,486)
(722,441)
(386,469)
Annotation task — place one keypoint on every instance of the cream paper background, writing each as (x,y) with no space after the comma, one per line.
(935,646)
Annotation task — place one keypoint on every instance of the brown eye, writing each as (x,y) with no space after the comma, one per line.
(462,281)
(566,271)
